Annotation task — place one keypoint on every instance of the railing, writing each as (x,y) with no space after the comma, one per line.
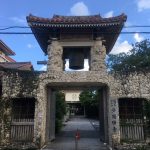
(22,130)
(132,129)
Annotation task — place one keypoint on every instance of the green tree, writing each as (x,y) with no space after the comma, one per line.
(89,99)
(60,110)
(137,59)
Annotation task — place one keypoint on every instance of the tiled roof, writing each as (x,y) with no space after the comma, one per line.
(93,19)
(44,28)
(6,49)
(17,65)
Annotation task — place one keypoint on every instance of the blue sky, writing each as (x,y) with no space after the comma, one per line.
(14,12)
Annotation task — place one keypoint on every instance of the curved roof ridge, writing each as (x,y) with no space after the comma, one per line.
(91,22)
(96,15)
(76,19)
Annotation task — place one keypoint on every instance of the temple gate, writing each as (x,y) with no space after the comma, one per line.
(32,94)
(76,38)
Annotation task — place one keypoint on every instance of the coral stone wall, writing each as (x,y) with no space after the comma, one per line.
(15,84)
(120,85)
(133,85)
(20,84)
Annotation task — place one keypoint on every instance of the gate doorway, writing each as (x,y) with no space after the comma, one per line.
(102,116)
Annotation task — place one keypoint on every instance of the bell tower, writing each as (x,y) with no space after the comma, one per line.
(76,39)
(59,51)
(75,46)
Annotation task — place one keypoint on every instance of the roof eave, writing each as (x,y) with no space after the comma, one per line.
(115,38)
(6,49)
(62,25)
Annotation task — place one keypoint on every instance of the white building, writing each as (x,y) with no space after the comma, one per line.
(73,101)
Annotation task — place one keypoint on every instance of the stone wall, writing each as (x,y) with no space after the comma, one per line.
(133,85)
(18,84)
(125,85)
(98,55)
(15,84)
(120,85)
(55,52)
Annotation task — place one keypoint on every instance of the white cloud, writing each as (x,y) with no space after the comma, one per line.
(79,9)
(143,4)
(18,20)
(109,14)
(86,66)
(121,47)
(138,37)
(43,68)
(30,46)
(127,26)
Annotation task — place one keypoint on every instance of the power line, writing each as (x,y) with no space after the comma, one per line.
(27,27)
(16,33)
(109,33)
(104,33)
(137,26)
(14,27)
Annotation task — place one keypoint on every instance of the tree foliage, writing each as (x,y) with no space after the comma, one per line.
(89,99)
(137,59)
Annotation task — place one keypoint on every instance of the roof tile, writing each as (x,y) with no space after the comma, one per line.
(93,19)
(17,65)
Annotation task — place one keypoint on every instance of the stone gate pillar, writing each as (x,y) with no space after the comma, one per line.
(98,55)
(114,128)
(103,114)
(55,52)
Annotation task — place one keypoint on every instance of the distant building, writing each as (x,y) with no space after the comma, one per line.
(17,65)
(5,52)
(73,102)
(7,62)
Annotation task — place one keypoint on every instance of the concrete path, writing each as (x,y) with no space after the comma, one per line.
(66,139)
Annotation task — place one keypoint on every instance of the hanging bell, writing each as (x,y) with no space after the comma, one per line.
(76,59)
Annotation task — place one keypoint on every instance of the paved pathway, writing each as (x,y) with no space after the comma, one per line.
(66,139)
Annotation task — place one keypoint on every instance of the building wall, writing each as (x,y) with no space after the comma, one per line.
(2,57)
(5,58)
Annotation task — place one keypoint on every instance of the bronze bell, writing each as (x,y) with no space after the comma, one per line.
(76,59)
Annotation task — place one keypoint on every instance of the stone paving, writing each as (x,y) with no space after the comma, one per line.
(66,139)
